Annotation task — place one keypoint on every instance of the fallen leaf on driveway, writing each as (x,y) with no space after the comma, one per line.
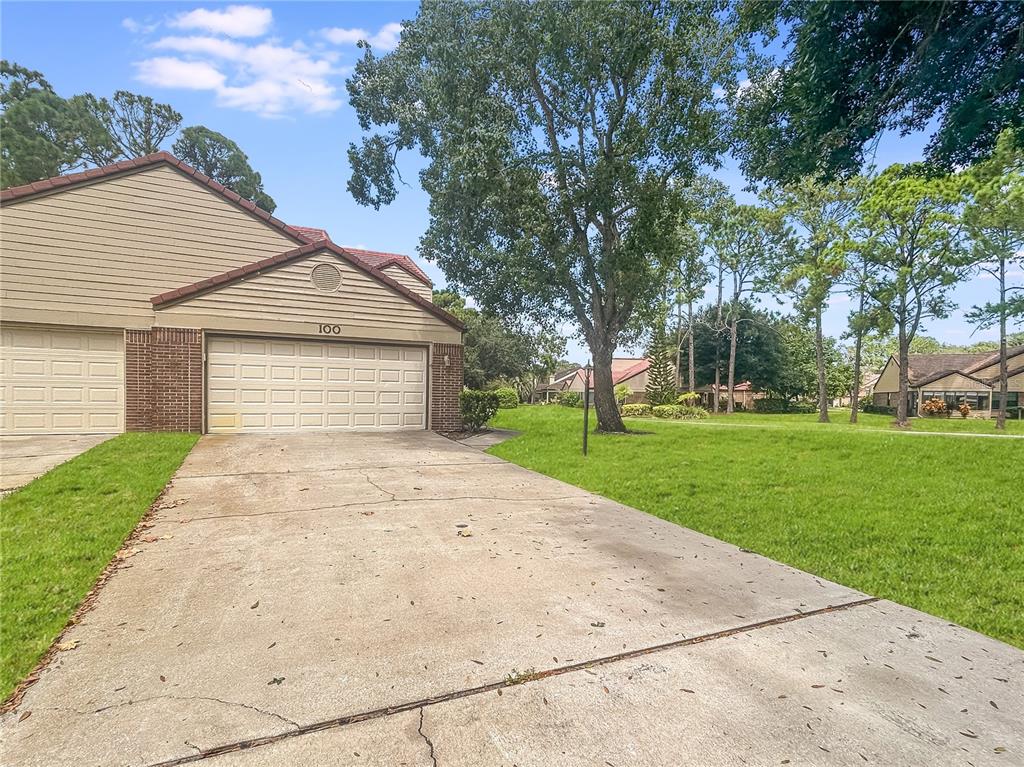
(276,680)
(465,534)
(254,605)
(24,716)
(64,646)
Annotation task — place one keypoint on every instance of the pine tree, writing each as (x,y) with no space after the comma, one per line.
(661,385)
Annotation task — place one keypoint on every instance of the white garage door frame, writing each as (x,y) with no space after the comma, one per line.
(77,374)
(210,336)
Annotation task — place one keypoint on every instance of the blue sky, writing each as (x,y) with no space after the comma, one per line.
(272,77)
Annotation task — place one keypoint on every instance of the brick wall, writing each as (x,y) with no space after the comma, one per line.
(445,385)
(164,379)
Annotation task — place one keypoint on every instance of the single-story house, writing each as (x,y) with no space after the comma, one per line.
(144,296)
(955,378)
(743,394)
(631,371)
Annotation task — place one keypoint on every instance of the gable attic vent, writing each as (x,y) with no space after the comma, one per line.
(326,277)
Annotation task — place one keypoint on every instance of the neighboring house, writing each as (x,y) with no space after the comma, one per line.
(144,296)
(955,378)
(631,371)
(743,394)
(867,388)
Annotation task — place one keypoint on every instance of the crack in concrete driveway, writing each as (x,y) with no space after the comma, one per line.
(383,574)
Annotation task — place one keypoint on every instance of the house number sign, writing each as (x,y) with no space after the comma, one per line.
(330,330)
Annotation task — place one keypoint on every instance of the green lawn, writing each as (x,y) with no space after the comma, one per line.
(841,418)
(59,532)
(933,522)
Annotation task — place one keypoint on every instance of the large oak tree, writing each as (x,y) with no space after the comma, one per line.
(556,136)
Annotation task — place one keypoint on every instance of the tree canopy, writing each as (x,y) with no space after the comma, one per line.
(855,69)
(220,158)
(43,135)
(555,135)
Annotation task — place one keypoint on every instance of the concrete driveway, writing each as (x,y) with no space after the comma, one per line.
(25,457)
(399,599)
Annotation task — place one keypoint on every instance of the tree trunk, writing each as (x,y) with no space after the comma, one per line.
(904,387)
(819,358)
(1003,387)
(733,332)
(607,409)
(855,392)
(689,332)
(679,341)
(718,339)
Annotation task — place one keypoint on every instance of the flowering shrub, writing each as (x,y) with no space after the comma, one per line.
(965,409)
(934,406)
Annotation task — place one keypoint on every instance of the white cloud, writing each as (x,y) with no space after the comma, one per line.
(169,72)
(386,38)
(266,76)
(233,21)
(130,24)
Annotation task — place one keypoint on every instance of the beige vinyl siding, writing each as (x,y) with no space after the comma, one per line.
(992,371)
(955,382)
(403,278)
(94,255)
(1013,383)
(284,301)
(889,380)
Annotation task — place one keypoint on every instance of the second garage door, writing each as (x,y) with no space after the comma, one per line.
(261,385)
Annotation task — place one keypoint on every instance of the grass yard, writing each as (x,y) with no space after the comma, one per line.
(933,522)
(841,419)
(60,531)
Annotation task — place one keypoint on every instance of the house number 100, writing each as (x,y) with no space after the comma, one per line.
(332,329)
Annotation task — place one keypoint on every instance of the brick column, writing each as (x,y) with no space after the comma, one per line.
(164,379)
(445,385)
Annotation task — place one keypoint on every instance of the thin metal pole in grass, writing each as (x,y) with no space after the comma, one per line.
(586,404)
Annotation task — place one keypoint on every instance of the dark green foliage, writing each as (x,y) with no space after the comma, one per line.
(215,155)
(855,69)
(760,356)
(507,397)
(555,135)
(661,377)
(477,408)
(495,349)
(570,399)
(125,126)
(771,405)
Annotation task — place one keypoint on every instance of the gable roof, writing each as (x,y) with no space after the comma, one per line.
(373,258)
(944,373)
(234,275)
(632,371)
(925,368)
(126,167)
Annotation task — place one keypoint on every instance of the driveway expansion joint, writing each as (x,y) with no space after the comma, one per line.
(342,721)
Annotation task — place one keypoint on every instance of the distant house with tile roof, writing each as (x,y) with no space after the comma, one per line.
(631,371)
(955,378)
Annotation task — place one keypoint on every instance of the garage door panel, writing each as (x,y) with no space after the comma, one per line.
(314,385)
(62,380)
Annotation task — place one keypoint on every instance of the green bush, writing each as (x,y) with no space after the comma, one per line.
(570,399)
(769,405)
(507,397)
(638,410)
(691,412)
(477,408)
(665,411)
(688,398)
(622,393)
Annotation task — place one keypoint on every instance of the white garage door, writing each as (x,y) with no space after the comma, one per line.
(62,381)
(266,385)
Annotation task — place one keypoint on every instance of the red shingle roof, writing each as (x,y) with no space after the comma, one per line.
(634,370)
(226,278)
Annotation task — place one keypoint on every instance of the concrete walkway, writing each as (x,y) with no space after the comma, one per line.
(401,599)
(25,457)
